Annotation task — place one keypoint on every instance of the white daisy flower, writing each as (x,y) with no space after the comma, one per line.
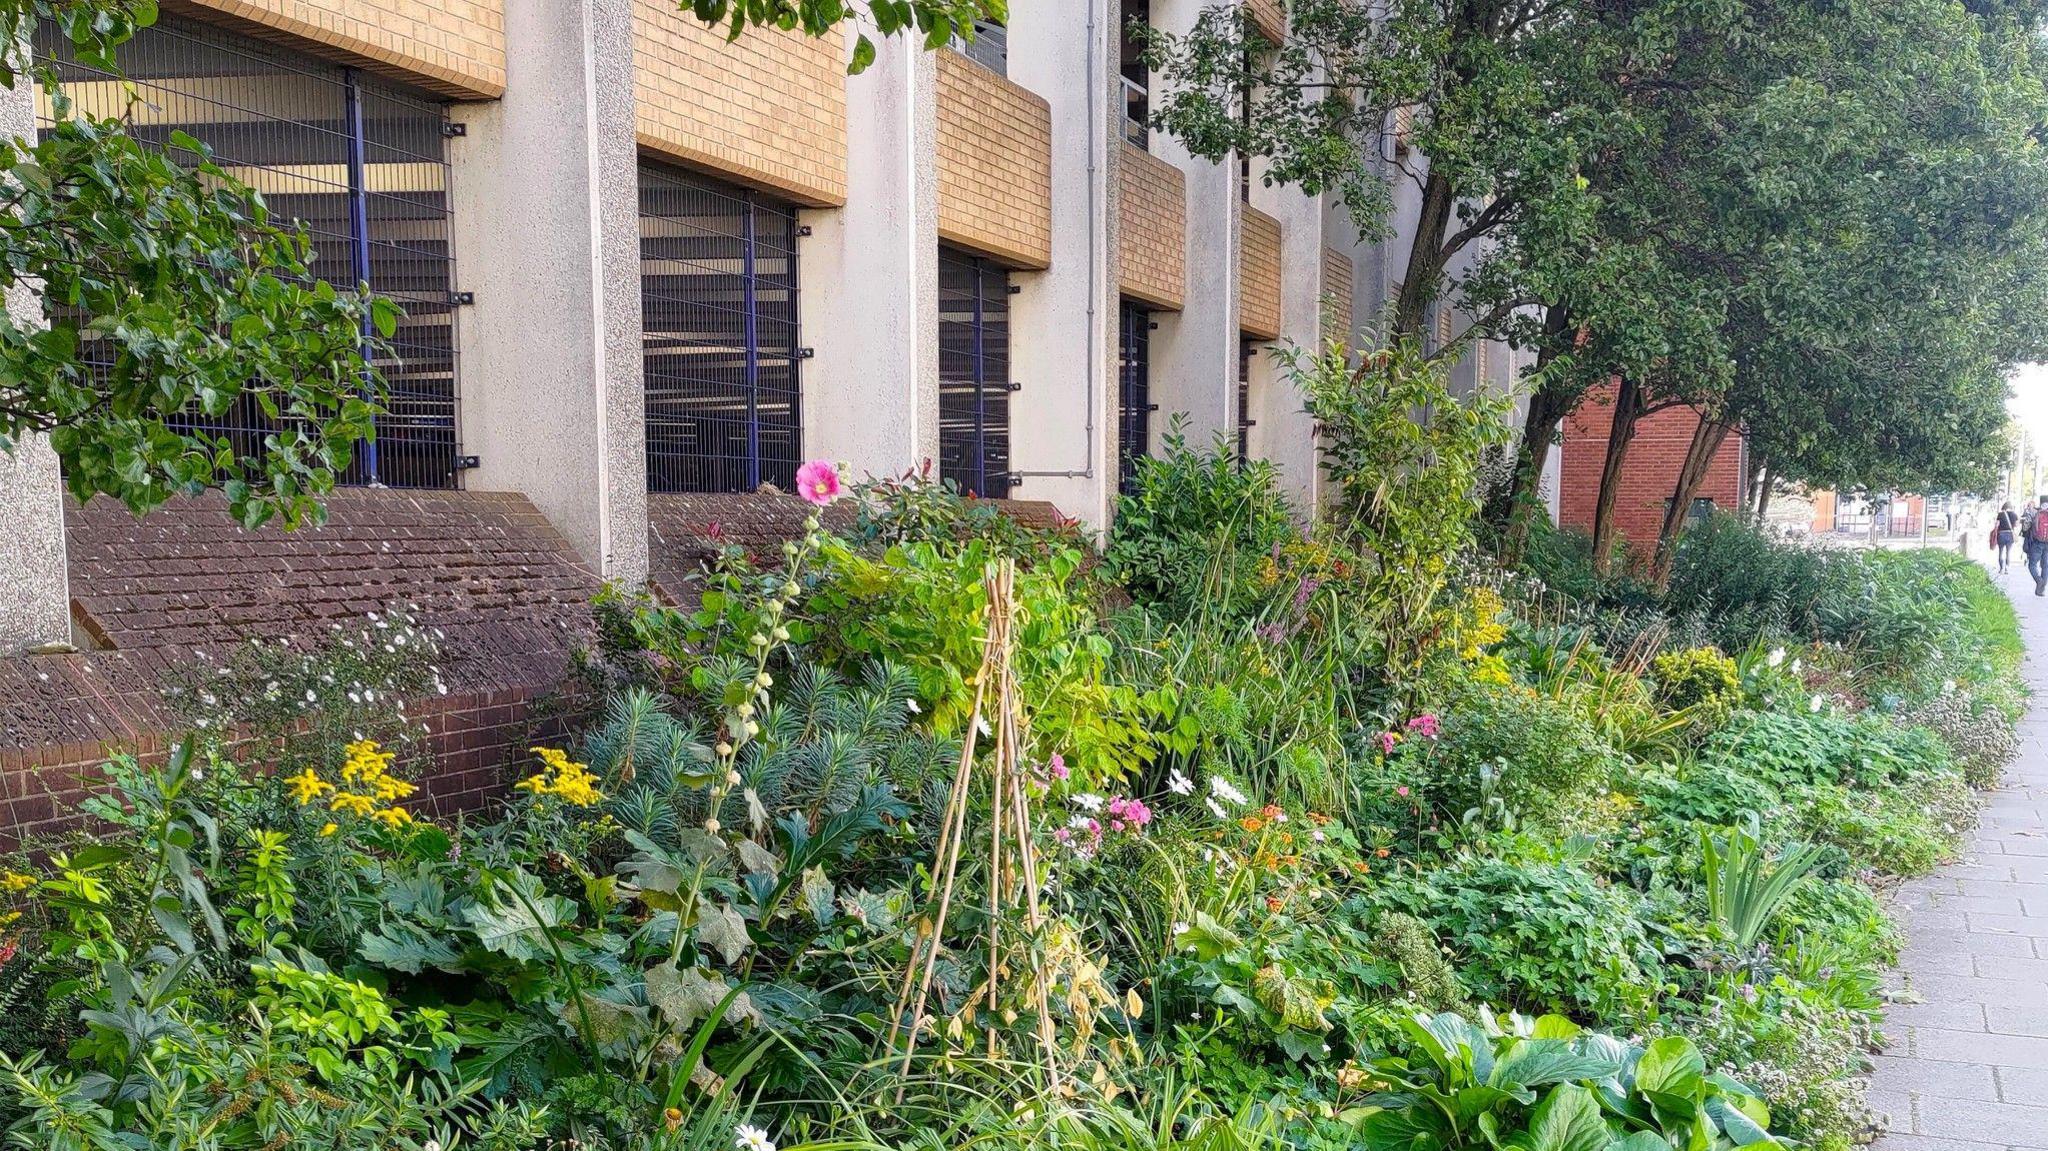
(1777,656)
(1178,783)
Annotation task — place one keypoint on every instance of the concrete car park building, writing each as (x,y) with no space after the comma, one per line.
(645,268)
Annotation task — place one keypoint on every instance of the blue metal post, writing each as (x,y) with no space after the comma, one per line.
(980,392)
(753,352)
(359,235)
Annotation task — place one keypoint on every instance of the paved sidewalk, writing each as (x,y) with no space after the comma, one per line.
(1968,1065)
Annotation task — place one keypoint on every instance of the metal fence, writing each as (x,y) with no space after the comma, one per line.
(718,301)
(359,161)
(1134,390)
(974,374)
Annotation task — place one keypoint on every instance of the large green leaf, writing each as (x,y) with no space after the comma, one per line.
(516,921)
(1568,1119)
(1672,1066)
(1541,1062)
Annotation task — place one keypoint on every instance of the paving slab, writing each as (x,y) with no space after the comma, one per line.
(1967,1069)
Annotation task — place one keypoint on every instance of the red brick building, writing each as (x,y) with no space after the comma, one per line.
(1648,475)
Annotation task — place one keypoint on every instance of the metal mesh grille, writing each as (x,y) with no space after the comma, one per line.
(360,162)
(718,302)
(1244,399)
(974,374)
(1134,392)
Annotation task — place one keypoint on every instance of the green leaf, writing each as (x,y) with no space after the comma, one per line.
(863,55)
(1568,1119)
(722,930)
(1672,1066)
(516,921)
(1541,1062)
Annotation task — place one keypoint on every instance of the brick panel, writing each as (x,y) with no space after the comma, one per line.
(1258,275)
(1269,17)
(1649,473)
(1337,296)
(1152,226)
(455,47)
(995,164)
(768,109)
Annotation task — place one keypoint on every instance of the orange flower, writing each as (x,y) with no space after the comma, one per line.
(1382,853)
(1251,823)
(1275,903)
(1272,811)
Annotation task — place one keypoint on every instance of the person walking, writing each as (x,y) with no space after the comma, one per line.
(2035,529)
(2002,533)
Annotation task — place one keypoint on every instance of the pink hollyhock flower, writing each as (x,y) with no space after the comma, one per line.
(1387,741)
(818,482)
(1057,765)
(1424,725)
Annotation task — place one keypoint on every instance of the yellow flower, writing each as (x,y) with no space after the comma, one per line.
(366,761)
(390,787)
(353,804)
(308,786)
(7,917)
(564,778)
(329,828)
(393,817)
(16,881)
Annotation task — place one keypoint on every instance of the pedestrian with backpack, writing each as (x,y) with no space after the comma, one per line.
(2003,533)
(2035,528)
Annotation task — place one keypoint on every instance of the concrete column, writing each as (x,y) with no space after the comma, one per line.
(1063,320)
(545,197)
(1284,433)
(871,391)
(1195,350)
(35,598)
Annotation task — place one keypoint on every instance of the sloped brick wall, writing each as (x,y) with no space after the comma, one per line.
(508,593)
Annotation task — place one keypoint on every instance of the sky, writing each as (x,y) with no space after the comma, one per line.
(2029,402)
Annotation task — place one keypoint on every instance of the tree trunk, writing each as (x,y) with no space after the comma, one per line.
(1699,456)
(1628,407)
(1425,259)
(1548,405)
(1764,482)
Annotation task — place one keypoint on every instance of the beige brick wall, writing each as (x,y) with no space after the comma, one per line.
(1152,227)
(768,109)
(995,164)
(1258,275)
(455,47)
(1337,296)
(1269,17)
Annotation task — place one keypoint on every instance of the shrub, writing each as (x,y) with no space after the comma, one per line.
(1700,680)
(1548,936)
(1982,740)
(1537,755)
(1193,528)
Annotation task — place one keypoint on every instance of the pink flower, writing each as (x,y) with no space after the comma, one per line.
(1063,835)
(1126,812)
(1057,766)
(1387,741)
(1402,791)
(1424,725)
(818,482)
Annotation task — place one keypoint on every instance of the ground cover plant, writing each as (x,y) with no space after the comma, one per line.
(1333,841)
